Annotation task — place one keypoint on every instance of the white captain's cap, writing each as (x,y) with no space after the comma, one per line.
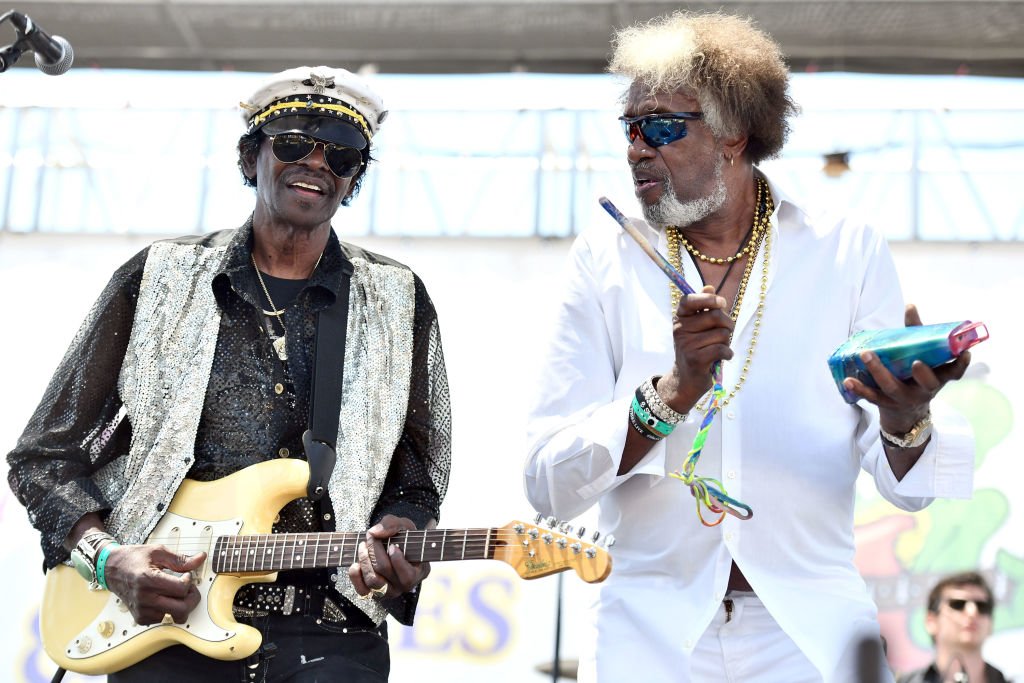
(329,104)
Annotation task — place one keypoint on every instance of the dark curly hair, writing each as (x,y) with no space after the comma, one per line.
(249,148)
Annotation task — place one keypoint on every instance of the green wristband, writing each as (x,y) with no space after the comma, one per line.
(101,563)
(663,428)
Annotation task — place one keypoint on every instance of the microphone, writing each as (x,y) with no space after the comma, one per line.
(53,53)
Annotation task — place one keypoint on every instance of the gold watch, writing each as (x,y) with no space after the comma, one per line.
(917,435)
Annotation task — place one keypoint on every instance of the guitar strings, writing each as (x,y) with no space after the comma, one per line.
(345,543)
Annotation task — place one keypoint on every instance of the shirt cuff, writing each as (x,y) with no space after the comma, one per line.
(946,468)
(65,505)
(606,429)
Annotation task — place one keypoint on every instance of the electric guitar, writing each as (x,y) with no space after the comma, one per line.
(92,632)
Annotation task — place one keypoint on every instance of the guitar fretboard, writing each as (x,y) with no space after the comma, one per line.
(275,552)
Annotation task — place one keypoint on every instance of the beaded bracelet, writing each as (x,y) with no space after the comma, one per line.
(643,413)
(101,563)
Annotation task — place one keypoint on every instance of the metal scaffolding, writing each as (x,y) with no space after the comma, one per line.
(917,174)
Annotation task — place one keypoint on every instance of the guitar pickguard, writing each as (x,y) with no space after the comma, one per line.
(114,625)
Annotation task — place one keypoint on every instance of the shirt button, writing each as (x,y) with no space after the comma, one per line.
(327,516)
(688,644)
(731,475)
(278,388)
(284,452)
(729,535)
(731,415)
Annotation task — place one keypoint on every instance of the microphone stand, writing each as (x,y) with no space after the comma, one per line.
(556,668)
(13,52)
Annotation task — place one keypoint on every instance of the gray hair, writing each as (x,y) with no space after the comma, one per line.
(735,70)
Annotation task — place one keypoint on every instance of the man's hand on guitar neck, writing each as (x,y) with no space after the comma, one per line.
(136,574)
(382,571)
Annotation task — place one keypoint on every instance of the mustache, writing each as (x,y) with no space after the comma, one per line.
(305,172)
(648,168)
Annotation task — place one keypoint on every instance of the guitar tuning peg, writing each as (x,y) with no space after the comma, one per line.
(597,535)
(551,522)
(609,541)
(582,530)
(565,528)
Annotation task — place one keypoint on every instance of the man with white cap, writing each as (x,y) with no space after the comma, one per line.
(198,361)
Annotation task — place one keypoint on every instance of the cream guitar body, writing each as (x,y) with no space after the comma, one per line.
(92,632)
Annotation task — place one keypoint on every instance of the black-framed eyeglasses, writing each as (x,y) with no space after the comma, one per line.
(984,607)
(343,161)
(658,129)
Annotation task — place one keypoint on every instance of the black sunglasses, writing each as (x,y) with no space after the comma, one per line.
(984,607)
(343,161)
(658,129)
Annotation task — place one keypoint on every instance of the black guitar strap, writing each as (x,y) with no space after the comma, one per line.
(320,440)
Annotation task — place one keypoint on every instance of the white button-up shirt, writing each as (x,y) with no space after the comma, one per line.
(787,445)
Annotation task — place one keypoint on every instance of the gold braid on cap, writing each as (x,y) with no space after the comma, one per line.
(324,105)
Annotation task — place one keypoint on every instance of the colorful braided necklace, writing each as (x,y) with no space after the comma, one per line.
(708,491)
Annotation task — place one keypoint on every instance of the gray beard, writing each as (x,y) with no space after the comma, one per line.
(668,210)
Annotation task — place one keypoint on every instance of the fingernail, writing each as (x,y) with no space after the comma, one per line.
(721,301)
(867,356)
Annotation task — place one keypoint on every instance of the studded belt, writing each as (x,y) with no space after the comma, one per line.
(319,601)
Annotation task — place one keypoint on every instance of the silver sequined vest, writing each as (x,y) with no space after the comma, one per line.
(167,366)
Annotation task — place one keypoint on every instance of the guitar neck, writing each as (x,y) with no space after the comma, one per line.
(276,552)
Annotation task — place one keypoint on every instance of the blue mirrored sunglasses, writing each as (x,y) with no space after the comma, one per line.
(658,129)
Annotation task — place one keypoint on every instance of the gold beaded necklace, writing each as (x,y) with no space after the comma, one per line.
(761,221)
(762,216)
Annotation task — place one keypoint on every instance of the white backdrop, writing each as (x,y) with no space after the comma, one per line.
(478,619)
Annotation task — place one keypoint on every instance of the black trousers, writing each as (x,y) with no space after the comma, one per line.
(296,649)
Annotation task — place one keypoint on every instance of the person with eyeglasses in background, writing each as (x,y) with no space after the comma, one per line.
(698,594)
(959,620)
(198,361)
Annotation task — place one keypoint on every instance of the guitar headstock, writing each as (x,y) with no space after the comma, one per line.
(535,551)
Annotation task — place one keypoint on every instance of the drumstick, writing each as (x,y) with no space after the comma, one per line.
(674,275)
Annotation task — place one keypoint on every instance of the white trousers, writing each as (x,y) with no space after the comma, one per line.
(747,645)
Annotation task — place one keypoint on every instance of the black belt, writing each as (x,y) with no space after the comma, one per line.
(318,601)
